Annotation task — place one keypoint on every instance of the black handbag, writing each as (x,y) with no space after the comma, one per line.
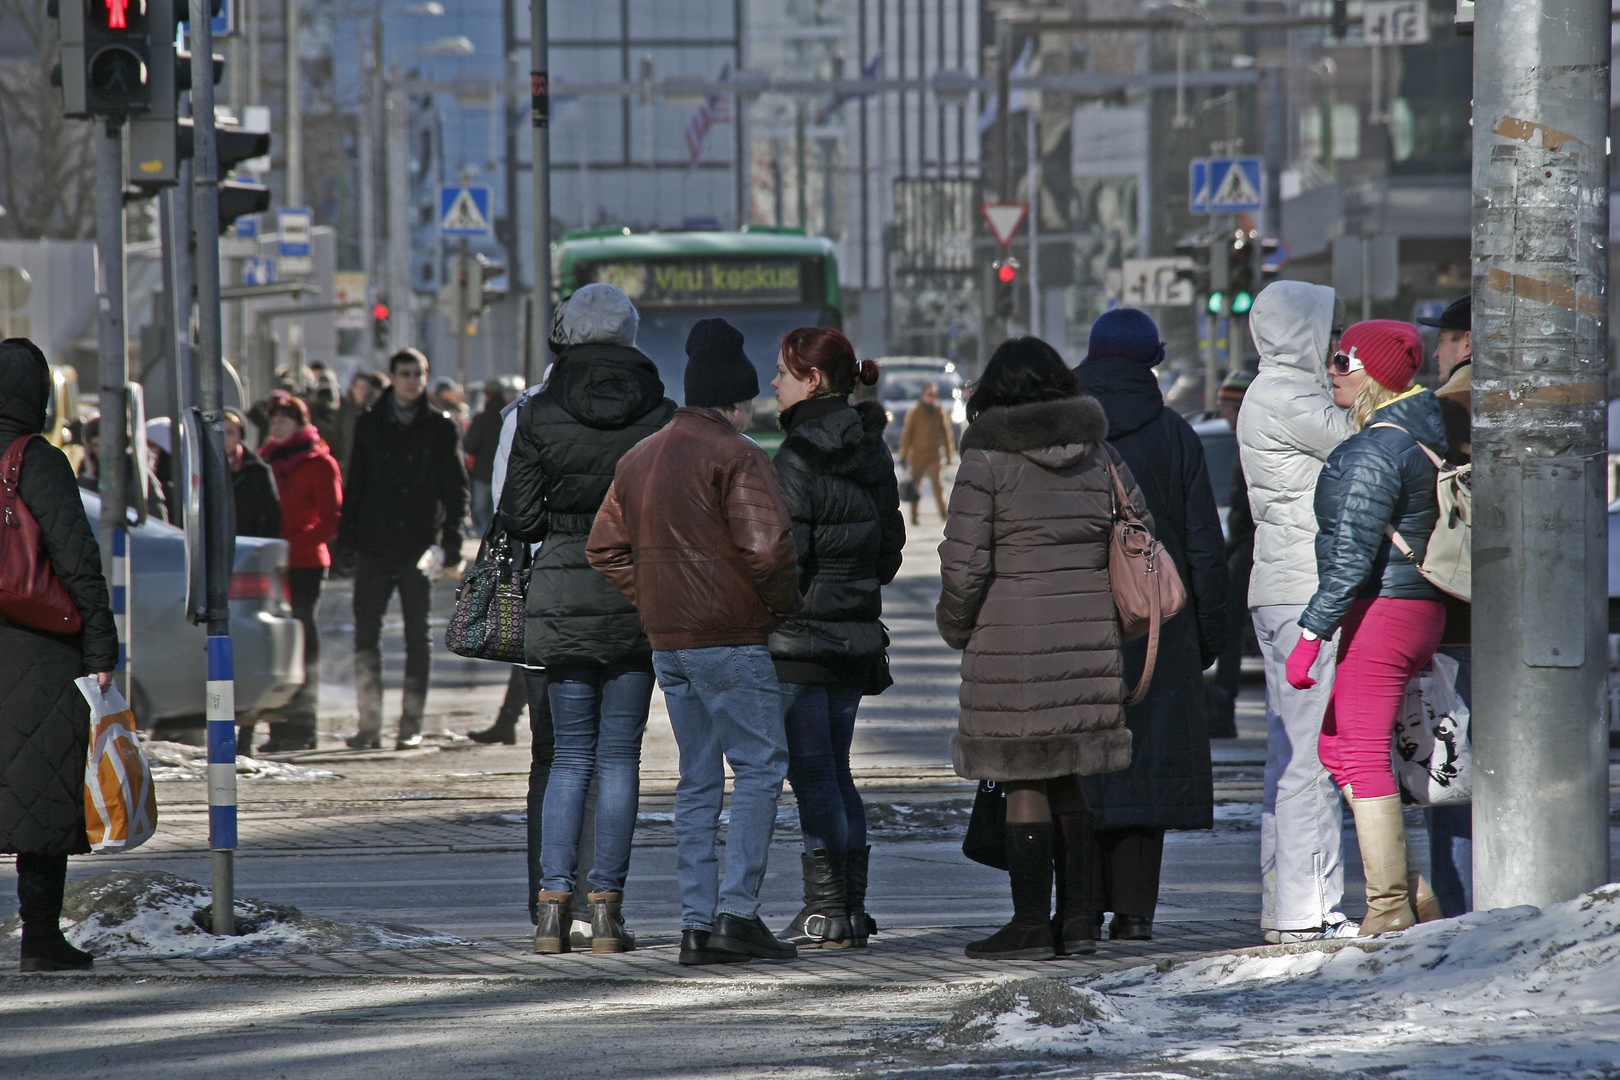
(986,839)
(488,621)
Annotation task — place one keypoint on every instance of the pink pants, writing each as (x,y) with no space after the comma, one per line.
(1382,644)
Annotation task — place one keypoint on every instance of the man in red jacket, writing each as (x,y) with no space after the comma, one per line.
(311,487)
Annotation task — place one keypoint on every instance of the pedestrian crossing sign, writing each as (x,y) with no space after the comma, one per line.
(464,210)
(1236,185)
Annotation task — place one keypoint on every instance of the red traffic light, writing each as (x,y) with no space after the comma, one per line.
(1007,272)
(379,311)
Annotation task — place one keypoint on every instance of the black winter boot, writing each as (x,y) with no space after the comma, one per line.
(1029,866)
(504,729)
(41,880)
(861,925)
(1074,927)
(824,921)
(551,931)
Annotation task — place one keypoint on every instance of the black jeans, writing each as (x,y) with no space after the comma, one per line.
(298,719)
(375,580)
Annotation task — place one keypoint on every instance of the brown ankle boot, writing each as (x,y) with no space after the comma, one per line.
(608,934)
(551,931)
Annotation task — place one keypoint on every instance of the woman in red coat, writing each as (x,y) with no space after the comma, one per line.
(311,487)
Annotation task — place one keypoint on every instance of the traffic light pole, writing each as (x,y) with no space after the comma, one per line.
(218,511)
(464,309)
(112,466)
(540,133)
(1540,299)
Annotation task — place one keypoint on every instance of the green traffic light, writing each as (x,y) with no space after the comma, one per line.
(1241,303)
(1216,301)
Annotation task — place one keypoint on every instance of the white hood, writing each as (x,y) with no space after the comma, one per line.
(1292,322)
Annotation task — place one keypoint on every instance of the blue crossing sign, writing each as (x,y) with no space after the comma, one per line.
(464,210)
(1226,185)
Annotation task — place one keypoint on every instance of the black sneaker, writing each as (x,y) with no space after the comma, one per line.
(750,937)
(363,742)
(695,950)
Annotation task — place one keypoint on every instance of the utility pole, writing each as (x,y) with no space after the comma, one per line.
(402,318)
(463,310)
(1541,756)
(112,468)
(218,508)
(1004,104)
(1032,156)
(540,132)
(294,187)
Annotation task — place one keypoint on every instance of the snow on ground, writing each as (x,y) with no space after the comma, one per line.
(1512,993)
(150,913)
(179,761)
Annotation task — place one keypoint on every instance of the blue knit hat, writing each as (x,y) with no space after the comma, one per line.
(1125,334)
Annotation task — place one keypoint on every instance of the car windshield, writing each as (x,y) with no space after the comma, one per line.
(1220,457)
(662,336)
(907,385)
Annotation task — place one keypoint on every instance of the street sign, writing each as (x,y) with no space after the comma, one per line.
(1004,219)
(294,250)
(1157,282)
(1198,186)
(258,271)
(464,210)
(1236,185)
(1394,22)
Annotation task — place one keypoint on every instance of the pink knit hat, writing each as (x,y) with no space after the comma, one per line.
(1390,351)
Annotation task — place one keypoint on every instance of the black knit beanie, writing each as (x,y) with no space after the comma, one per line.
(718,372)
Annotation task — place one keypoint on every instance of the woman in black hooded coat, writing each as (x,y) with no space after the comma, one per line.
(44,720)
(1169,784)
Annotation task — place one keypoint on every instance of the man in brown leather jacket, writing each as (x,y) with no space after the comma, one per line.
(695,531)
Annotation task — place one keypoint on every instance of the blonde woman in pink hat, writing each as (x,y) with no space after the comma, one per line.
(1390,617)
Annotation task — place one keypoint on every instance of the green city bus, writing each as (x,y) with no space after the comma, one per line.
(764,281)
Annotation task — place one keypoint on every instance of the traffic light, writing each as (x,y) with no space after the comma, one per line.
(161,139)
(238,197)
(379,325)
(1006,301)
(102,62)
(481,288)
(1341,18)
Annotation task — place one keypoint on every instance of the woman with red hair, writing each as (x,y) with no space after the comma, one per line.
(311,486)
(845,504)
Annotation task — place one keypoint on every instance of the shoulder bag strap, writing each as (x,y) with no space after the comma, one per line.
(1123,511)
(10,472)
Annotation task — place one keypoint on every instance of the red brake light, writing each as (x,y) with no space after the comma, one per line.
(251,586)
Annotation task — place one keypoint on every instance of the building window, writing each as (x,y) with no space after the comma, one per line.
(1346,131)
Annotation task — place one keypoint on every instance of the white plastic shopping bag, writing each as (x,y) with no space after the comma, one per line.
(120,804)
(1430,751)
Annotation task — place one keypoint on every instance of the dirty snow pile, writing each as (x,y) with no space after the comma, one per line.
(1511,993)
(178,761)
(148,913)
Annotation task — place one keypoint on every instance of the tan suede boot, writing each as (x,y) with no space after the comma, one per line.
(1382,836)
(1425,905)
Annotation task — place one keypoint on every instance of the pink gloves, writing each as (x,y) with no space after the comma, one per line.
(1300,661)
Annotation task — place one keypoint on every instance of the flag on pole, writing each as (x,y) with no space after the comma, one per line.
(1015,98)
(716,109)
(870,71)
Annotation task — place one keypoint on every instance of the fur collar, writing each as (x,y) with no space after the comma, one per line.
(1020,428)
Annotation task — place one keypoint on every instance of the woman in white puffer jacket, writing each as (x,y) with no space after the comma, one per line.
(1286,428)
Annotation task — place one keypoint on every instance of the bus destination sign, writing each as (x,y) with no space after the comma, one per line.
(702,282)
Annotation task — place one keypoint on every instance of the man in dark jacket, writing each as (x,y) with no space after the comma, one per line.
(483,439)
(1169,784)
(696,533)
(403,501)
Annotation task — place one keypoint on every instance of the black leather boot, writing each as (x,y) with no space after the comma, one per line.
(41,880)
(556,913)
(608,934)
(1131,928)
(504,729)
(1074,927)
(1029,866)
(824,921)
(861,925)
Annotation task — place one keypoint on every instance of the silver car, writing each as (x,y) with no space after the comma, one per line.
(167,653)
(900,382)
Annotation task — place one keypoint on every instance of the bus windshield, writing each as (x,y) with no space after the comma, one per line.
(662,336)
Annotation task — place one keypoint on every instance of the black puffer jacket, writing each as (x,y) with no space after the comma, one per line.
(258,504)
(839,480)
(1378,477)
(601,400)
(44,721)
(406,488)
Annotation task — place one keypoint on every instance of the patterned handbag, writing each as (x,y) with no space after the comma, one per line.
(488,621)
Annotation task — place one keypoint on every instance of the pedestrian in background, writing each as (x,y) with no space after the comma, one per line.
(483,439)
(842,496)
(1451,828)
(924,437)
(311,488)
(1025,594)
(1288,426)
(1169,783)
(253,485)
(44,721)
(696,533)
(604,396)
(364,390)
(1379,479)
(403,503)
(89,475)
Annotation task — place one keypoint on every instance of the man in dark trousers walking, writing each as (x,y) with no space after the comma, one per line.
(403,503)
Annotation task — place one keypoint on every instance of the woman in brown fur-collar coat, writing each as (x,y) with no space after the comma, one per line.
(1026,597)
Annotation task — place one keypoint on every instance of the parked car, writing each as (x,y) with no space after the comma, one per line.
(900,382)
(1220,457)
(167,652)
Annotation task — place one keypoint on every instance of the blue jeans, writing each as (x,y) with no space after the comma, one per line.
(598,715)
(820,724)
(723,706)
(1451,828)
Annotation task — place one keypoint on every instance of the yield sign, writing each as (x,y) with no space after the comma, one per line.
(1004,219)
